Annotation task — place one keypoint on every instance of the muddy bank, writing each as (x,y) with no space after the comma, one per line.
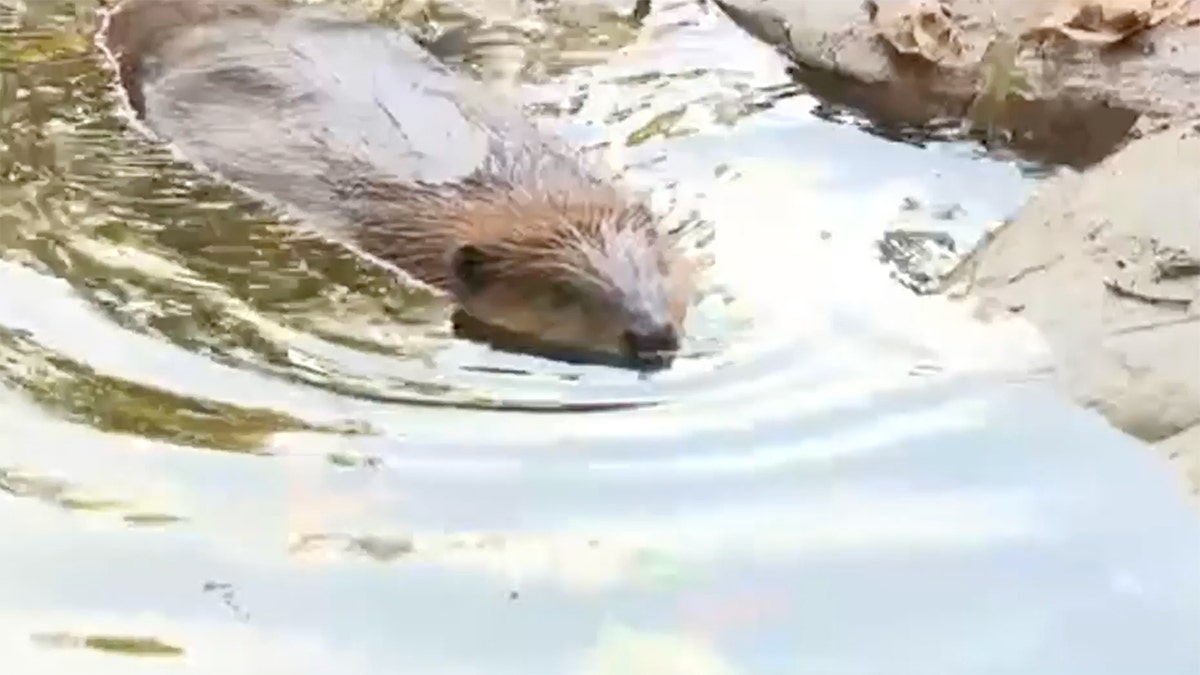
(1106,263)
(1062,82)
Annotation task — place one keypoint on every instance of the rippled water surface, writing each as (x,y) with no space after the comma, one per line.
(233,445)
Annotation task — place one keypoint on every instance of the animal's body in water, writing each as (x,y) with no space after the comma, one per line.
(360,129)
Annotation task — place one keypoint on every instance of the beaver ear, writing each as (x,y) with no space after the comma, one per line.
(467,264)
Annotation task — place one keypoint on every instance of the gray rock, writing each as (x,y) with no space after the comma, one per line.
(1107,264)
(1059,101)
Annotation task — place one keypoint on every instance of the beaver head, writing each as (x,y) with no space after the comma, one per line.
(589,271)
(582,269)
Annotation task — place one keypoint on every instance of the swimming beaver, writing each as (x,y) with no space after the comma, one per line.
(360,128)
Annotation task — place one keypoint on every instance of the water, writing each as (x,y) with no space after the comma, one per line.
(231,446)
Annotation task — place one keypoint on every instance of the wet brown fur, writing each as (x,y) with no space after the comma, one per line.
(529,217)
(137,28)
(539,281)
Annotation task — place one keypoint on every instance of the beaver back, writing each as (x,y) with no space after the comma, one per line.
(297,105)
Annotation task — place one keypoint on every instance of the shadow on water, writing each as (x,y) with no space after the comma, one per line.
(150,314)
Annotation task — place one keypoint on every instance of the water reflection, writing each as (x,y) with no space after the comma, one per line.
(830,451)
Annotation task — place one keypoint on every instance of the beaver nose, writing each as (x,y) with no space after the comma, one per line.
(652,344)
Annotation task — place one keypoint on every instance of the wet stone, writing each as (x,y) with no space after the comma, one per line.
(1050,82)
(1104,264)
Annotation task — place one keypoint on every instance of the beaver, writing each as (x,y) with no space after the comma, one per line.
(411,162)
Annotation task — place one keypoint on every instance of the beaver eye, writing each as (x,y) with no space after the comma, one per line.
(467,264)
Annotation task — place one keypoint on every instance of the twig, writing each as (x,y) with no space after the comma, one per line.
(1122,292)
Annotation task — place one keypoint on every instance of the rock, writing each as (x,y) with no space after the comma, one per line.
(919,260)
(1106,263)
(1066,79)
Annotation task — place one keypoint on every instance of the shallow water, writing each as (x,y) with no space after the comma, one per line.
(230,436)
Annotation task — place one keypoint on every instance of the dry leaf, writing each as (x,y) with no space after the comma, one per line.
(926,29)
(1105,22)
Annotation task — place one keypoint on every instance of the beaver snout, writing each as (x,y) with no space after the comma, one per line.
(651,345)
